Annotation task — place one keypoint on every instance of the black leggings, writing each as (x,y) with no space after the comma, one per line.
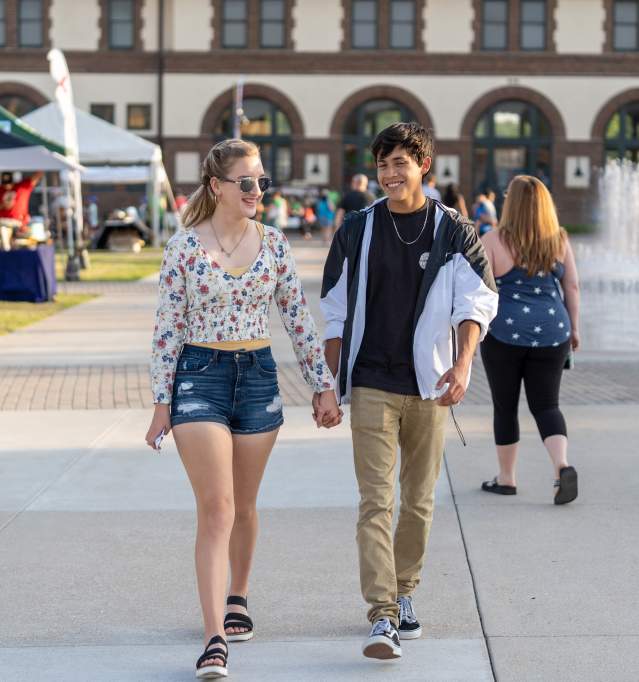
(540,368)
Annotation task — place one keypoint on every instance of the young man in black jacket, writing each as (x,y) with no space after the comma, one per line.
(407,294)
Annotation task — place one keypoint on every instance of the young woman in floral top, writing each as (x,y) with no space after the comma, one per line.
(214,379)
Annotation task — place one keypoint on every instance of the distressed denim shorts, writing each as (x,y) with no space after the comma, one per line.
(235,388)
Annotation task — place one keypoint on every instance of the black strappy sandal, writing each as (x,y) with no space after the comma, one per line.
(494,487)
(567,484)
(238,620)
(210,671)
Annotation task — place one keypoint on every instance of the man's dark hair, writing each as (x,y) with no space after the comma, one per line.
(412,137)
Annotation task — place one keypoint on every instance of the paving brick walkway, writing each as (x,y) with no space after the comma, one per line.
(127,386)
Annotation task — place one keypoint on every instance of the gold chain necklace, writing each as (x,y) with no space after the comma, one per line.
(219,243)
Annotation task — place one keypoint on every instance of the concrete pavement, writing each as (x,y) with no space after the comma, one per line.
(96,535)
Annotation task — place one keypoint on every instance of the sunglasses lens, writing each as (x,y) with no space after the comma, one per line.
(263,183)
(247,184)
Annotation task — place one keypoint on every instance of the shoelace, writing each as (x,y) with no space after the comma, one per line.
(406,613)
(381,627)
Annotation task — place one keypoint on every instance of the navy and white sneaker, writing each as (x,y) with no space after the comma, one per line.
(383,642)
(409,626)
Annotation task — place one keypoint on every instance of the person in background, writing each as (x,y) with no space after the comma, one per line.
(453,198)
(325,211)
(430,188)
(309,219)
(534,330)
(277,212)
(356,199)
(180,200)
(14,199)
(93,214)
(485,213)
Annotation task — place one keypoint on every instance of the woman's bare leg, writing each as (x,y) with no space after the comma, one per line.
(206,450)
(250,455)
(507,457)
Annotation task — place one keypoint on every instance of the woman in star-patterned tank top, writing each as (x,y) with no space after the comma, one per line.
(536,328)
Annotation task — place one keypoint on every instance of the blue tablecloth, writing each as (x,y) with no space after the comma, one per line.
(28,275)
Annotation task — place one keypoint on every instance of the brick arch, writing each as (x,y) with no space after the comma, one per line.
(609,108)
(25,91)
(378,92)
(221,103)
(527,95)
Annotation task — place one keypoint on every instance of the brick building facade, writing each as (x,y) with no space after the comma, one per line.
(547,87)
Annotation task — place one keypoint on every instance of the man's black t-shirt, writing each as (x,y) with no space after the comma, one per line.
(355,201)
(395,271)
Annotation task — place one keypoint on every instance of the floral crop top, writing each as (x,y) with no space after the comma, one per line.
(199,302)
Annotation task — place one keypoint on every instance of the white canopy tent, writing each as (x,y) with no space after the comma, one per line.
(34,159)
(110,154)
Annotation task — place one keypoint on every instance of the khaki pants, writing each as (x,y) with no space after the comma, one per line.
(380,421)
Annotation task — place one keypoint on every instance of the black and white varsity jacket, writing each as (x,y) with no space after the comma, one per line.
(458,285)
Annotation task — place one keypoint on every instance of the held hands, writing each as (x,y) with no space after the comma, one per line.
(161,421)
(455,377)
(326,411)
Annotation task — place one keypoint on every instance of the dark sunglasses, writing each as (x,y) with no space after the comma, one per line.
(247,184)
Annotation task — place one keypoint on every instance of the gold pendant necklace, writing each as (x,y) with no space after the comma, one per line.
(219,243)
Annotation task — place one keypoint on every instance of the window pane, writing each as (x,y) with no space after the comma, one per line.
(2,10)
(234,35)
(364,35)
(30,9)
(258,117)
(495,37)
(2,32)
(283,127)
(104,111)
(403,10)
(481,129)
(626,12)
(507,124)
(495,10)
(364,10)
(283,164)
(533,11)
(402,35)
(30,34)
(235,9)
(273,10)
(122,35)
(273,35)
(625,37)
(533,37)
(613,128)
(139,116)
(121,10)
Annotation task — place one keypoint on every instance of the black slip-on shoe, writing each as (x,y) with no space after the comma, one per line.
(497,488)
(567,485)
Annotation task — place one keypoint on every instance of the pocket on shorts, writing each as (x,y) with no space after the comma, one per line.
(193,363)
(266,365)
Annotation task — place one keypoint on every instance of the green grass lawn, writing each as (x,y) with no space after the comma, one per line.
(109,266)
(14,315)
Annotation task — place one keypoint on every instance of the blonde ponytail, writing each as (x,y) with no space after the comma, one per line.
(201,204)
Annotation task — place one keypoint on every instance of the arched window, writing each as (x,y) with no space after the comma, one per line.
(622,133)
(17,104)
(511,138)
(360,129)
(268,126)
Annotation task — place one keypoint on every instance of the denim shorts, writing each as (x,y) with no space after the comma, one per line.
(235,388)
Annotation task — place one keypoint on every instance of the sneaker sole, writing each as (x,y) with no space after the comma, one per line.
(380,648)
(410,634)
